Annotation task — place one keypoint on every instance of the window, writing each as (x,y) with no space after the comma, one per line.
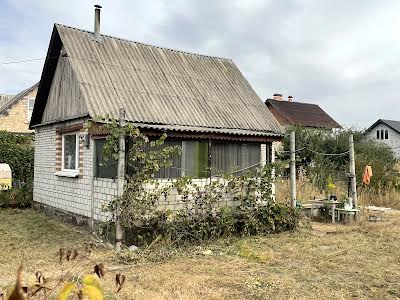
(30,102)
(104,169)
(381,134)
(229,157)
(386,134)
(167,172)
(195,159)
(70,152)
(377,134)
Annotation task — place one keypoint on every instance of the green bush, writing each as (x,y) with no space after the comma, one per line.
(17,151)
(200,219)
(16,197)
(190,227)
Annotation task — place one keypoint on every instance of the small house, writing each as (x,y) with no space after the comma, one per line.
(16,111)
(386,132)
(203,103)
(291,113)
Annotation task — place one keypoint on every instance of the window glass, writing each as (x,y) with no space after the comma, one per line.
(31,103)
(382,134)
(386,134)
(230,157)
(69,152)
(104,168)
(195,158)
(167,172)
(377,135)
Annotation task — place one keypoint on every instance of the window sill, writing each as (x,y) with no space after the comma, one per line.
(68,173)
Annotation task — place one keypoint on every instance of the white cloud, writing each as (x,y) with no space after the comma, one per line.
(340,54)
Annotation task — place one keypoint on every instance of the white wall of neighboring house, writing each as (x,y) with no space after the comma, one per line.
(393,140)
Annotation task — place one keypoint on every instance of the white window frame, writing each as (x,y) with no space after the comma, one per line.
(70,172)
(28,117)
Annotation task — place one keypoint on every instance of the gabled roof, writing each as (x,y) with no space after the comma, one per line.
(155,85)
(302,114)
(395,125)
(7,104)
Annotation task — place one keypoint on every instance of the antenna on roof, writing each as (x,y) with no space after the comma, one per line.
(97,22)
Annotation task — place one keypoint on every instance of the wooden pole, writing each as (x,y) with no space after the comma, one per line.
(272,161)
(293,168)
(121,181)
(353,180)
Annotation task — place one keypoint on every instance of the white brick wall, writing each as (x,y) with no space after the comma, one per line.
(75,194)
(70,194)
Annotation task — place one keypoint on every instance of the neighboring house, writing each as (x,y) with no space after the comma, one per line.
(16,111)
(387,132)
(291,113)
(203,103)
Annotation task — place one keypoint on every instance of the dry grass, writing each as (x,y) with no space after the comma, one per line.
(306,191)
(326,262)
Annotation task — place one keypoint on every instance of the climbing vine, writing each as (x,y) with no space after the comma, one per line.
(203,212)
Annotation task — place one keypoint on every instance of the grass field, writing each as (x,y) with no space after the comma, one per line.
(321,261)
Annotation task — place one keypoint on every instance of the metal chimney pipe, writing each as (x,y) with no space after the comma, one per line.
(97,21)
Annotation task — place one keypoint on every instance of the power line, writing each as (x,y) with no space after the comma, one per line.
(317,152)
(21,61)
(327,154)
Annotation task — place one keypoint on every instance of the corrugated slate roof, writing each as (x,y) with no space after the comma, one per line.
(395,125)
(162,86)
(303,114)
(6,104)
(4,98)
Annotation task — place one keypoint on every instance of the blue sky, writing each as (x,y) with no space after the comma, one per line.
(342,55)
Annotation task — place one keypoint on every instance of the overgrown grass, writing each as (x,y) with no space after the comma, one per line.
(306,191)
(326,262)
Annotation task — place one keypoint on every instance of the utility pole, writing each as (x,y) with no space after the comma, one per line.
(293,168)
(353,180)
(121,181)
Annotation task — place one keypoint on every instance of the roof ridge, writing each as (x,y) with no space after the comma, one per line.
(390,120)
(146,44)
(294,102)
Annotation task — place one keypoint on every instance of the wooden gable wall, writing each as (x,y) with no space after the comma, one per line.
(65,99)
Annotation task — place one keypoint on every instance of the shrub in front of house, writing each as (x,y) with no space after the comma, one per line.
(17,151)
(203,212)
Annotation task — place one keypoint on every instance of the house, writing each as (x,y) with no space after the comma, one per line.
(291,113)
(203,103)
(16,111)
(387,132)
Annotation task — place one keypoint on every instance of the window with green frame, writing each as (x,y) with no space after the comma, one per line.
(195,159)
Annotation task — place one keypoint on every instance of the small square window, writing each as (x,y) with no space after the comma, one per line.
(70,151)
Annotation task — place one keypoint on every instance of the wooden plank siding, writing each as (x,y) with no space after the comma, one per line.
(65,98)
